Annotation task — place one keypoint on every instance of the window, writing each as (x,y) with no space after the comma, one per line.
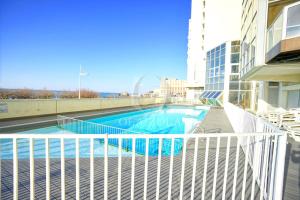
(222,69)
(234,77)
(234,85)
(234,68)
(235,43)
(217,61)
(293,21)
(222,60)
(235,49)
(223,46)
(235,58)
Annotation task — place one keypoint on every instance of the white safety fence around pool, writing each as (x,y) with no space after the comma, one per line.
(217,147)
(245,122)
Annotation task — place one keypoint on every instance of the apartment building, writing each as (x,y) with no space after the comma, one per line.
(270,47)
(172,87)
(212,22)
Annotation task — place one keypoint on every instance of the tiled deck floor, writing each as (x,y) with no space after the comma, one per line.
(24,184)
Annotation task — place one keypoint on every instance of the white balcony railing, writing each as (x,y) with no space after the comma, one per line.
(286,25)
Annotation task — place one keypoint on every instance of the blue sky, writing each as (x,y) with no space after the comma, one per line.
(43,42)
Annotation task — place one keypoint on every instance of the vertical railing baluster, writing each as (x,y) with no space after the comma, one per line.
(16,170)
(274,156)
(216,169)
(236,165)
(158,167)
(171,168)
(48,187)
(31,153)
(205,168)
(182,168)
(194,166)
(106,167)
(226,167)
(92,168)
(146,168)
(264,172)
(245,168)
(62,168)
(119,168)
(254,170)
(77,168)
(132,168)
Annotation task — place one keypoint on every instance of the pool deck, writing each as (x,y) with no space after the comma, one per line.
(292,170)
(216,120)
(24,184)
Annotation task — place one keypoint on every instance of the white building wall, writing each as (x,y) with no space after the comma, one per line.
(212,23)
(222,22)
(196,55)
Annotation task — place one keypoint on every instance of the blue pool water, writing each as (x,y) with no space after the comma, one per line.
(159,120)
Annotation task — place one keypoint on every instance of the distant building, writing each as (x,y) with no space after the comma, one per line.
(172,87)
(152,93)
(212,22)
(124,94)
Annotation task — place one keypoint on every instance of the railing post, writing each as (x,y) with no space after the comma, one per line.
(92,168)
(48,187)
(132,168)
(32,185)
(160,141)
(62,168)
(245,168)
(146,168)
(194,166)
(279,169)
(119,167)
(205,168)
(105,167)
(15,167)
(182,168)
(171,169)
(236,165)
(216,169)
(77,169)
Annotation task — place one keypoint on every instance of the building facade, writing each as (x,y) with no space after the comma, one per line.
(222,75)
(208,19)
(270,35)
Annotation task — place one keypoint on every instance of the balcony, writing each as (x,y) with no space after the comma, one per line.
(283,36)
(282,54)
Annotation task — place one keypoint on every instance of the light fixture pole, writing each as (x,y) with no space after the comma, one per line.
(81,73)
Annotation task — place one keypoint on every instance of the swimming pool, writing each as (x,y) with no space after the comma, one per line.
(158,120)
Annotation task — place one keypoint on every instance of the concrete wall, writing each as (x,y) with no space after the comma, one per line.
(37,107)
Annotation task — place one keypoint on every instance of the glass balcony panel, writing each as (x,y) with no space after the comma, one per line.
(278,30)
(275,32)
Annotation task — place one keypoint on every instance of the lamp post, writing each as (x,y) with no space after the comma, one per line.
(81,73)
